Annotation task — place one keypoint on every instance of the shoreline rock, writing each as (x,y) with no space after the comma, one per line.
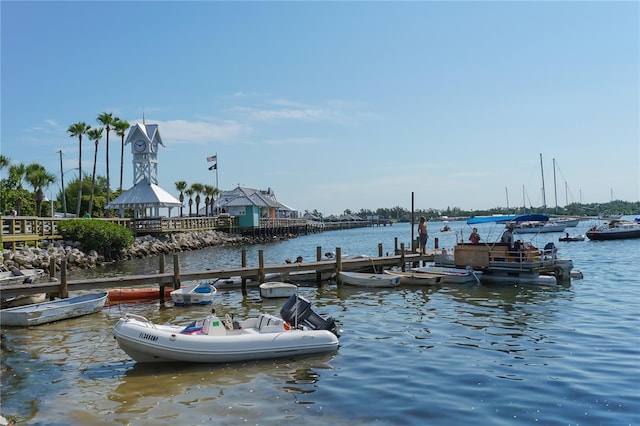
(148,245)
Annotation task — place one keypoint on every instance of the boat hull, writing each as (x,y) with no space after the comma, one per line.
(607,236)
(277,289)
(361,279)
(42,313)
(146,342)
(453,275)
(198,294)
(133,294)
(417,278)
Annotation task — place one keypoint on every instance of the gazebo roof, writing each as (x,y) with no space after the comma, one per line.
(143,195)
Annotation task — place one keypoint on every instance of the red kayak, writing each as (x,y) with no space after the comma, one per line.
(133,294)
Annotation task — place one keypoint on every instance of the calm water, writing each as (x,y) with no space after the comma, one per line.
(480,354)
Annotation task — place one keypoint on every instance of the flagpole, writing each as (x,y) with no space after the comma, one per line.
(216,170)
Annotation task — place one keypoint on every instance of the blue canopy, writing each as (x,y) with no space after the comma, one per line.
(508,218)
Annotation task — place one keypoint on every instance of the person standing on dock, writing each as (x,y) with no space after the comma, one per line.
(423,235)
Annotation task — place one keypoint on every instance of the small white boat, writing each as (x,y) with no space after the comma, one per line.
(417,278)
(41,313)
(236,282)
(363,279)
(21,276)
(198,294)
(298,331)
(453,275)
(276,289)
(538,227)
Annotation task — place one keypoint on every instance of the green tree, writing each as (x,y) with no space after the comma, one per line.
(210,192)
(99,197)
(4,163)
(107,120)
(76,131)
(181,186)
(38,177)
(197,189)
(107,238)
(16,175)
(121,127)
(95,135)
(189,191)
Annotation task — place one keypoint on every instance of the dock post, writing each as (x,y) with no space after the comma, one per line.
(338,264)
(318,259)
(261,277)
(52,270)
(64,292)
(243,263)
(161,270)
(379,249)
(176,272)
(402,257)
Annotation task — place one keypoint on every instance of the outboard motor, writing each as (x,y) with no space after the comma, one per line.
(297,310)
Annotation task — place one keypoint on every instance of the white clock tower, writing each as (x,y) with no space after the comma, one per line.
(145,140)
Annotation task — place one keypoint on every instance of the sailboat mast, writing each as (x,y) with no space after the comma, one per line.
(555,188)
(544,198)
(506,190)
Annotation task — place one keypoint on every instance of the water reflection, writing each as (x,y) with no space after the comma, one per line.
(192,384)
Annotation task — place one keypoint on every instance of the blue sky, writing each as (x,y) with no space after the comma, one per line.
(339,105)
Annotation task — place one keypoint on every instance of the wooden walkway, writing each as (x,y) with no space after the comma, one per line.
(21,230)
(60,287)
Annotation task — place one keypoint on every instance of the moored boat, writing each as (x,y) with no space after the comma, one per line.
(60,309)
(516,262)
(131,294)
(364,279)
(197,294)
(417,278)
(298,331)
(21,276)
(277,289)
(453,275)
(615,230)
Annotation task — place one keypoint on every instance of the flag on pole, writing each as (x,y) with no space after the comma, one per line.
(215,166)
(212,158)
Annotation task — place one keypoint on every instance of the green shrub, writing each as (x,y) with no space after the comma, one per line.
(107,238)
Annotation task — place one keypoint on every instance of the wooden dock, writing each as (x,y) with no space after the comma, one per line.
(61,286)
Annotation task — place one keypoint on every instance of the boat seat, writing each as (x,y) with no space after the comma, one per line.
(270,323)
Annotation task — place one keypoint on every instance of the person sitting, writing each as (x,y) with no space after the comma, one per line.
(298,259)
(475,236)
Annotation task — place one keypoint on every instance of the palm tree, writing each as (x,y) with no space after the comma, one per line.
(77,130)
(189,192)
(38,178)
(16,174)
(4,163)
(107,120)
(180,187)
(95,135)
(121,127)
(197,189)
(210,191)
